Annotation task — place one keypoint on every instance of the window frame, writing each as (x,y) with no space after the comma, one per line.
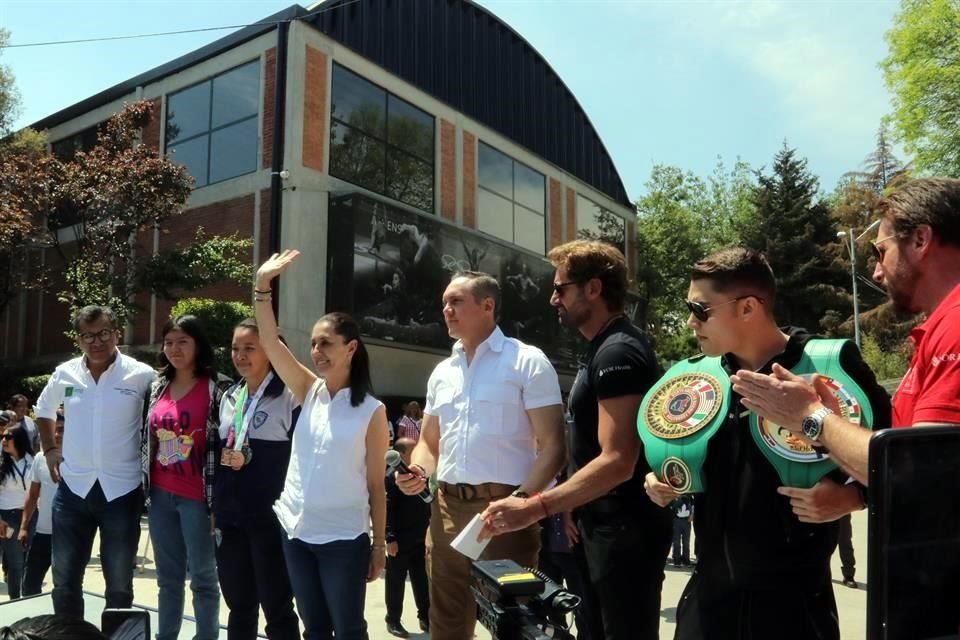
(210,130)
(602,209)
(388,147)
(513,196)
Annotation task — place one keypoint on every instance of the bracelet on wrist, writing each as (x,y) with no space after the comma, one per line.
(265,292)
(543,503)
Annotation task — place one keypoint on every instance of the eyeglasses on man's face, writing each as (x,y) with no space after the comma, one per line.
(876,248)
(702,312)
(103,335)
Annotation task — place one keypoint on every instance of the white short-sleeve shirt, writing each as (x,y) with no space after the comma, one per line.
(40,474)
(485,432)
(13,486)
(102,421)
(325,497)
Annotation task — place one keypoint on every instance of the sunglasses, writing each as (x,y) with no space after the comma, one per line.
(7,436)
(558,287)
(702,312)
(875,247)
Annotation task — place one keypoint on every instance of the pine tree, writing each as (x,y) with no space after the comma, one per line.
(797,234)
(881,168)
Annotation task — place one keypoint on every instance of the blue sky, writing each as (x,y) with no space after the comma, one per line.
(663,82)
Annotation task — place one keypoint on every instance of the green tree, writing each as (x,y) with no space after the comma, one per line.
(681,218)
(9,96)
(881,168)
(922,71)
(853,207)
(25,176)
(729,211)
(886,364)
(798,236)
(114,194)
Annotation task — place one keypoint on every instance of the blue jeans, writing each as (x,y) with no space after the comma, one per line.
(11,552)
(181,535)
(330,585)
(75,523)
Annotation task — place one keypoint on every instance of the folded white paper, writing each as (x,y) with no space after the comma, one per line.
(466,541)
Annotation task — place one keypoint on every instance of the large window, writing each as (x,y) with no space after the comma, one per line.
(66,148)
(212,126)
(512,200)
(380,142)
(596,223)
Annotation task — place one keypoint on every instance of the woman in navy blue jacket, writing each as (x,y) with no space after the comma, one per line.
(256,421)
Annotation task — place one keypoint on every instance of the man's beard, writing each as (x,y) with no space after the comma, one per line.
(573,319)
(901,293)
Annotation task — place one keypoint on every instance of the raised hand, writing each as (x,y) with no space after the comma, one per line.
(273,267)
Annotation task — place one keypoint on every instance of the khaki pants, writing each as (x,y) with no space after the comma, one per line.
(453,612)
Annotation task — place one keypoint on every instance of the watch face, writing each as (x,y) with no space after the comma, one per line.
(811,427)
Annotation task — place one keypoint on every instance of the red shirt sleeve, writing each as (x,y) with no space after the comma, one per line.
(938,399)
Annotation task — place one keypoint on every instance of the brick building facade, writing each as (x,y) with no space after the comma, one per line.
(446,166)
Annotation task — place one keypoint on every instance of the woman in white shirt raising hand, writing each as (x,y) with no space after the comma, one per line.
(334,496)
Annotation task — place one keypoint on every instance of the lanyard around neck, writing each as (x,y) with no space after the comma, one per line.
(242,415)
(21,473)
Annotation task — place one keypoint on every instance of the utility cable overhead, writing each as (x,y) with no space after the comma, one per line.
(174,33)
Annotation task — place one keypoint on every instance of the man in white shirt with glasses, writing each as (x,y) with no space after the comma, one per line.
(98,467)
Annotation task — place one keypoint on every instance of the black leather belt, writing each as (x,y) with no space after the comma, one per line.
(483,491)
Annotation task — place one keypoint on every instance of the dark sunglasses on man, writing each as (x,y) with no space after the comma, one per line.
(702,312)
(558,287)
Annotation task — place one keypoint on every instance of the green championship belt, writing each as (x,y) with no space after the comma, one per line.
(798,463)
(677,418)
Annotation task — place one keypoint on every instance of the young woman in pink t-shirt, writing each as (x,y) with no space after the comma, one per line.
(181,415)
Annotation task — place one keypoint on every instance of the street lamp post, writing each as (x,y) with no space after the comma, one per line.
(852,249)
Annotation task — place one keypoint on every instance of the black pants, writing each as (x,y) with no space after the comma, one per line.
(848,562)
(253,573)
(624,557)
(410,558)
(709,613)
(37,563)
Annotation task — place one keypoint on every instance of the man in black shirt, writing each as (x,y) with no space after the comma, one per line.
(763,560)
(407,520)
(624,537)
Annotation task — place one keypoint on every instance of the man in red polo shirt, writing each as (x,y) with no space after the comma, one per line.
(918,262)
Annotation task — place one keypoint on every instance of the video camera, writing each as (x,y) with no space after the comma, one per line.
(516,603)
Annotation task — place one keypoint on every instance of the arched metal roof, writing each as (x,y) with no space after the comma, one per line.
(465,56)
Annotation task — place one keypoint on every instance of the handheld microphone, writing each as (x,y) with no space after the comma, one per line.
(396,463)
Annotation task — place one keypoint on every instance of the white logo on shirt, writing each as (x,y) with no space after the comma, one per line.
(947,357)
(619,367)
